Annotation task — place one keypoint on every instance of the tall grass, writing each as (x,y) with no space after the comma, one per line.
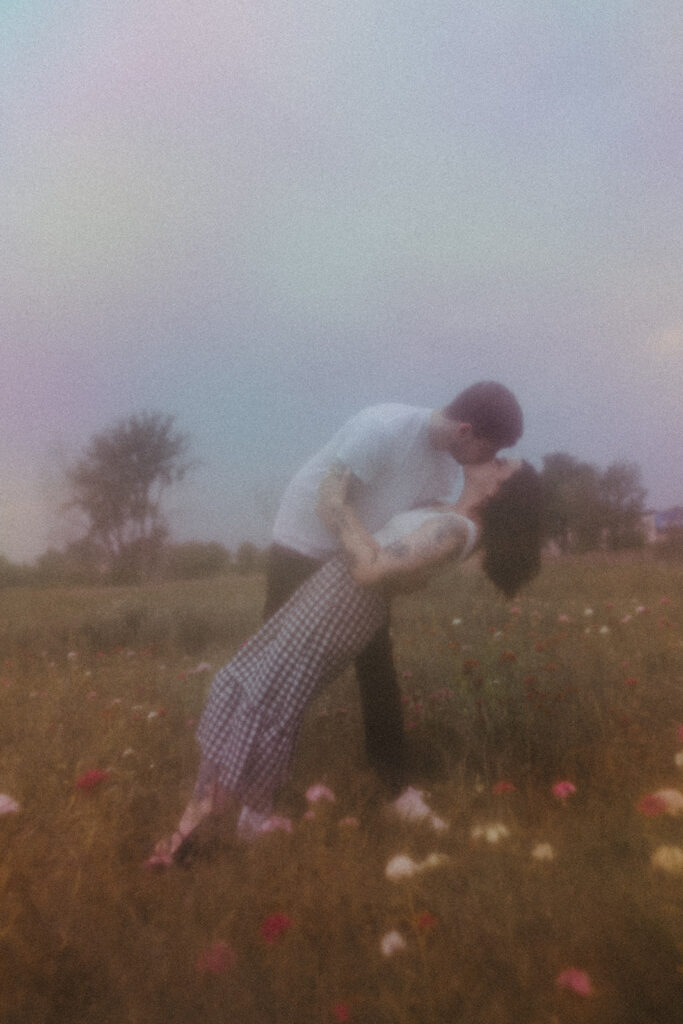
(579,680)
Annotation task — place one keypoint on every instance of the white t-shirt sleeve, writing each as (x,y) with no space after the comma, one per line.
(361,445)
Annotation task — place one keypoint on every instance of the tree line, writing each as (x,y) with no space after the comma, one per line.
(118,485)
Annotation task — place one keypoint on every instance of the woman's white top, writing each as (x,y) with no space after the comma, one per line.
(404,523)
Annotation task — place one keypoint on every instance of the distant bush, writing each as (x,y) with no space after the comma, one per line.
(194,560)
(671,548)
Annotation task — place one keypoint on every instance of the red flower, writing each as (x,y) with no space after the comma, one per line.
(468,665)
(508,656)
(274,926)
(217,959)
(426,921)
(341,1012)
(631,681)
(91,779)
(503,787)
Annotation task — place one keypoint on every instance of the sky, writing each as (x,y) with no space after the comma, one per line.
(261,217)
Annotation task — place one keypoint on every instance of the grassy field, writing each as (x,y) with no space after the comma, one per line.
(537,905)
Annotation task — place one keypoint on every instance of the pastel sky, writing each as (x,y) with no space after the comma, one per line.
(261,217)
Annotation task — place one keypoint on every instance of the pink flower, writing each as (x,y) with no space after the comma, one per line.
(7,804)
(276,824)
(503,787)
(679,734)
(563,789)
(651,805)
(341,1012)
(274,926)
(217,959)
(575,981)
(91,779)
(318,792)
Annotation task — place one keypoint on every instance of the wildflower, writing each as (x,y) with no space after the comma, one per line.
(434,860)
(678,759)
(563,618)
(274,926)
(641,609)
(491,833)
(72,655)
(543,851)
(516,610)
(392,942)
(604,630)
(341,1012)
(318,792)
(503,787)
(679,733)
(626,618)
(217,959)
(508,656)
(631,681)
(425,922)
(7,804)
(276,824)
(588,612)
(349,822)
(575,981)
(401,866)
(91,779)
(562,790)
(410,806)
(670,800)
(651,806)
(456,622)
(128,752)
(668,859)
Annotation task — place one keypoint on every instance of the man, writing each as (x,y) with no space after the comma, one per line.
(400,457)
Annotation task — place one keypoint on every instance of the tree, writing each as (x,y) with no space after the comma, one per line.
(585,508)
(623,504)
(572,502)
(118,485)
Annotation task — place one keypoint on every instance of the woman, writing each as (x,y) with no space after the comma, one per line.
(252,717)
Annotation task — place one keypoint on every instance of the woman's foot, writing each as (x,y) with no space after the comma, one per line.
(168,851)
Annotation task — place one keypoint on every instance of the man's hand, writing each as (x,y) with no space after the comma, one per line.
(332,495)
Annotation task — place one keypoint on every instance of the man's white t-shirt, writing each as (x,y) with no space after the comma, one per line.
(387,447)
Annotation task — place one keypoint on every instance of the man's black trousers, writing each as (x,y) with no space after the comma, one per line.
(379,690)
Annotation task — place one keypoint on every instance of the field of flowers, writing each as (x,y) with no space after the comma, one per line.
(533,875)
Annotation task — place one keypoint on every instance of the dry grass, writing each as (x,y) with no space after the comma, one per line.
(527,693)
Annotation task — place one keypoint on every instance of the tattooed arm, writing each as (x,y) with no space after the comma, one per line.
(341,519)
(403,565)
(408,563)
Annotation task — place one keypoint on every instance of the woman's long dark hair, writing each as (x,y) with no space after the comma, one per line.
(511,531)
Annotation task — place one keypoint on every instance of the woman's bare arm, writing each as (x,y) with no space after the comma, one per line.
(404,563)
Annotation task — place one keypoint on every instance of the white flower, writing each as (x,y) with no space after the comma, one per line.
(456,622)
(7,804)
(72,655)
(668,859)
(128,752)
(678,759)
(491,833)
(604,630)
(318,792)
(588,612)
(434,860)
(543,851)
(392,942)
(672,799)
(410,805)
(401,866)
(152,714)
(437,823)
